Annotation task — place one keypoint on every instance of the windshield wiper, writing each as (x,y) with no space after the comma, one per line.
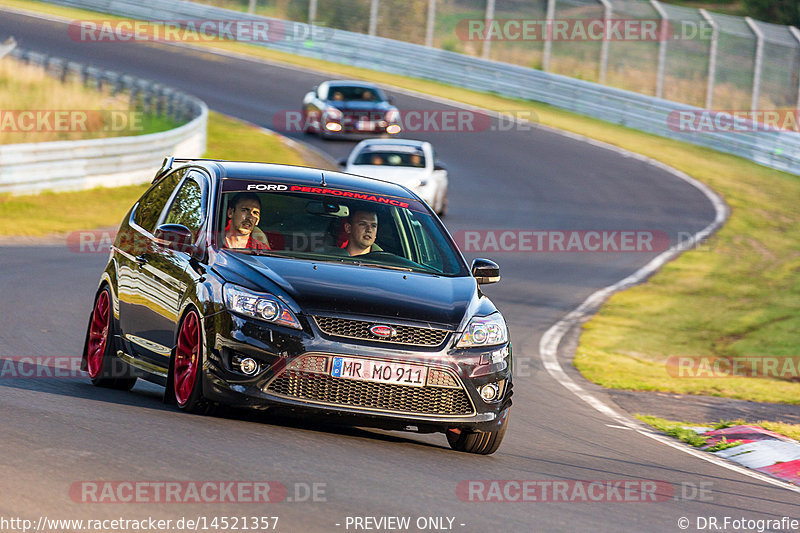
(387,267)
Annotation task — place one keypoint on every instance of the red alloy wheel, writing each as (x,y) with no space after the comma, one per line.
(98,334)
(187,358)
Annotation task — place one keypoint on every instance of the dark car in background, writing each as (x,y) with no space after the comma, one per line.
(349,109)
(399,336)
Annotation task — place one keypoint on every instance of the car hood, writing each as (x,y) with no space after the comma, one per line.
(331,288)
(405,176)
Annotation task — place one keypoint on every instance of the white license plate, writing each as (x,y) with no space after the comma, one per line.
(365,125)
(379,371)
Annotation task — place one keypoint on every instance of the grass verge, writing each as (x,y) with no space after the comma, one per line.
(680,430)
(83,112)
(102,207)
(737,296)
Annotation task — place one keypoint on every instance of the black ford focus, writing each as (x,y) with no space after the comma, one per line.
(301,290)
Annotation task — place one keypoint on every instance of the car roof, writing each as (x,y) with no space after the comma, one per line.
(351,83)
(388,142)
(296,175)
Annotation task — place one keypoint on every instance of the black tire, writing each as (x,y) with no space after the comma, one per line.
(104,367)
(185,378)
(478,442)
(443,206)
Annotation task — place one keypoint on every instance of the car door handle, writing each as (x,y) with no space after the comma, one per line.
(141,260)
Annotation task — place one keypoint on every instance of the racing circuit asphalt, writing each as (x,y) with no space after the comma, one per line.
(56,432)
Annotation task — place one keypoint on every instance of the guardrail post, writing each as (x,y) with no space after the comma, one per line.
(759,60)
(429,28)
(373,17)
(607,10)
(312,12)
(487,41)
(662,47)
(548,34)
(796,35)
(251,8)
(712,59)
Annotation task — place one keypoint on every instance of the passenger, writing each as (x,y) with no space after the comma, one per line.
(416,160)
(361,228)
(244,213)
(376,160)
(338,96)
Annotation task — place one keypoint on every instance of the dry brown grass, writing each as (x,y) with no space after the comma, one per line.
(28,88)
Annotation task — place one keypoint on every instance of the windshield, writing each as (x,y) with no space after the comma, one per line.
(336,225)
(391,158)
(342,93)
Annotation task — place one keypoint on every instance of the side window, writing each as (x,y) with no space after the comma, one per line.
(187,207)
(152,203)
(424,250)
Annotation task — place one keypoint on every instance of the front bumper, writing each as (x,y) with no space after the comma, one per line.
(294,374)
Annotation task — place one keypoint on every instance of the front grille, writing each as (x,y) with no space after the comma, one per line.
(359,329)
(370,395)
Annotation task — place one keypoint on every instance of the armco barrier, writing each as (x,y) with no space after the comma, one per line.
(71,165)
(775,149)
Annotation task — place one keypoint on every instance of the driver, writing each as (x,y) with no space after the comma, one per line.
(361,228)
(244,214)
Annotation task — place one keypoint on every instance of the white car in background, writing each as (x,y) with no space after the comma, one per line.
(411,164)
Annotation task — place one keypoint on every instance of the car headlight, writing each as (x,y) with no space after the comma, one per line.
(262,306)
(484,331)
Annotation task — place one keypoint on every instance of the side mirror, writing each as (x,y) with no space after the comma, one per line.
(437,165)
(485,271)
(342,163)
(175,237)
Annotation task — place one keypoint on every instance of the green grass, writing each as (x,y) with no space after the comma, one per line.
(680,430)
(47,213)
(87,113)
(738,296)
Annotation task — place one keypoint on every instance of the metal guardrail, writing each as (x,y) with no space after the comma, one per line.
(71,165)
(775,149)
(7,46)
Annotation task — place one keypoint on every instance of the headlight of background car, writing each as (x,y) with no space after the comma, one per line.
(484,331)
(261,306)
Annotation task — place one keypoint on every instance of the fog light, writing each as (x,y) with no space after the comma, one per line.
(333,126)
(490,392)
(248,366)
